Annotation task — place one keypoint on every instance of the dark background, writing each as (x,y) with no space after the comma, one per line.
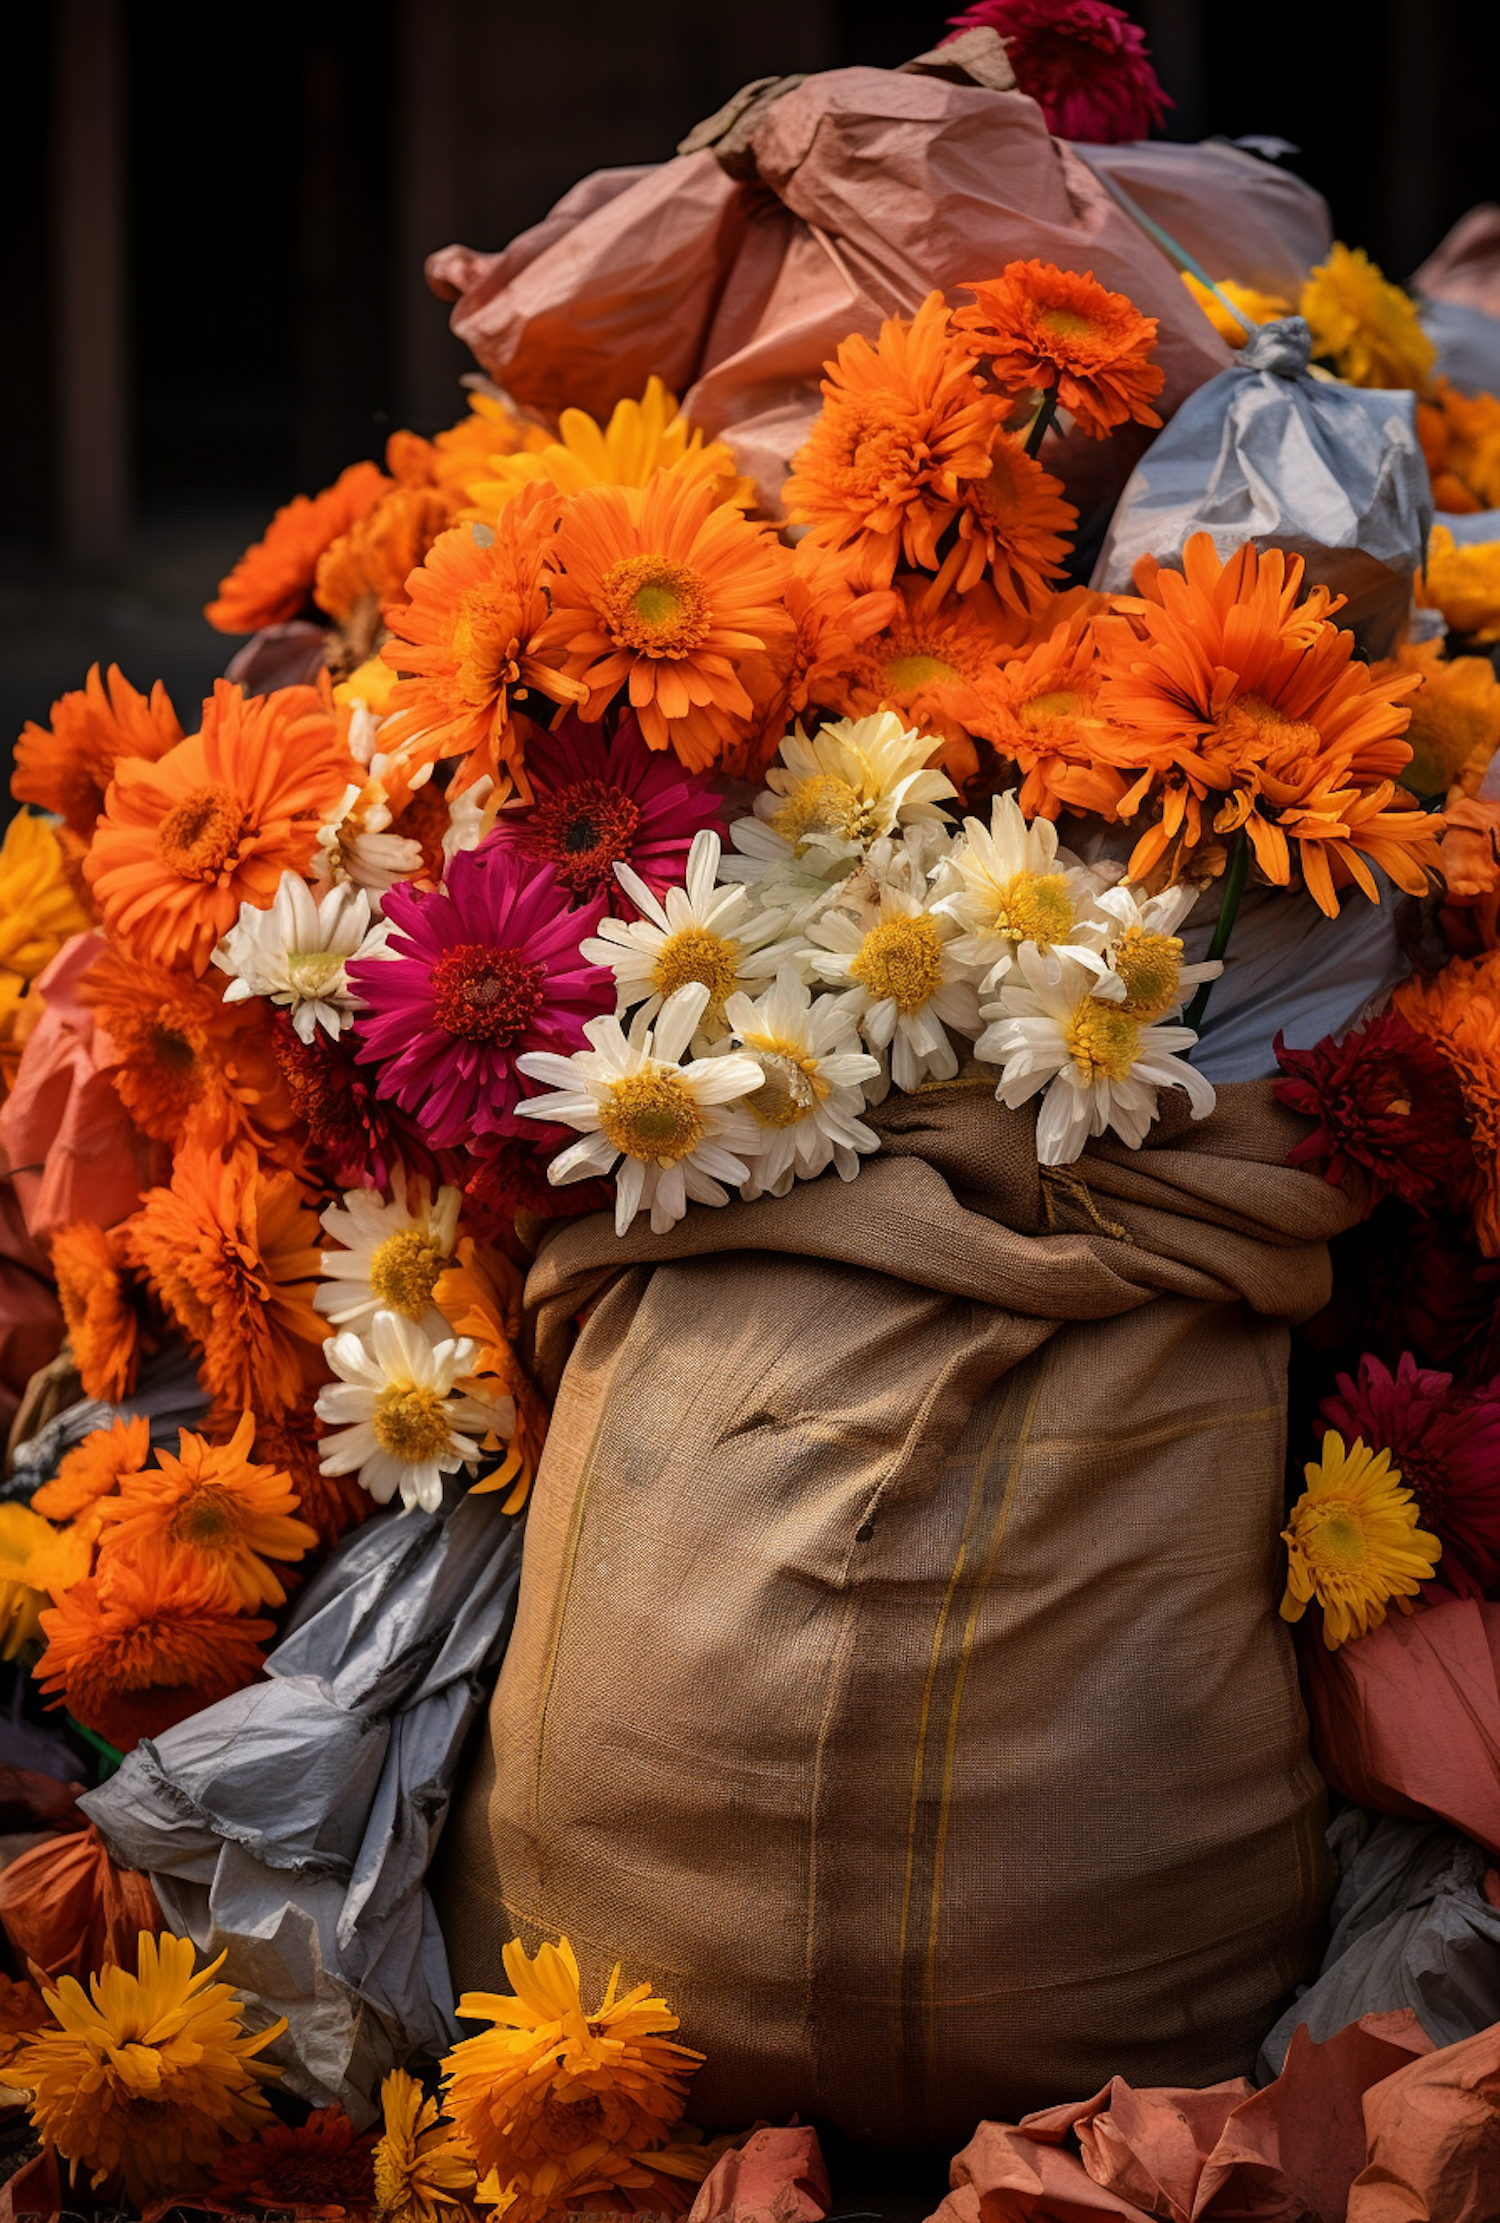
(218,217)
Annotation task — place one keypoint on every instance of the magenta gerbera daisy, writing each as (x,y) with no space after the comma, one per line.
(477,971)
(603,801)
(1447,1446)
(1085,64)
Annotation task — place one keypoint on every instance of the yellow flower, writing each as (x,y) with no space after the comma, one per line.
(1455,720)
(558,2102)
(1260,308)
(19,1013)
(1464,583)
(1367,328)
(421,2167)
(370,683)
(641,438)
(491,429)
(1353,1543)
(38,909)
(146,2077)
(37,1563)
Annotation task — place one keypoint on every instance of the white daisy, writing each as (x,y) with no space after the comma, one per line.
(397,1418)
(1135,951)
(812,1088)
(391,1256)
(469,817)
(1008,883)
(903,983)
(700,932)
(355,847)
(1053,1030)
(680,1130)
(297,953)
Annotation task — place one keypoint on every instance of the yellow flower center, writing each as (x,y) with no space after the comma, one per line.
(197,838)
(410,1423)
(652,1115)
(206,1519)
(824,804)
(1066,323)
(1333,1536)
(485,649)
(1042,709)
(1257,734)
(901,960)
(655,606)
(1101,1039)
(792,1087)
(917,669)
(404,1271)
(694,954)
(312,972)
(1030,907)
(1150,966)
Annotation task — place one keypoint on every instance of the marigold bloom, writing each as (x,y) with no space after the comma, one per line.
(1064,333)
(1464,583)
(145,1642)
(1459,1011)
(101,1307)
(1386,1103)
(1353,1543)
(1468,441)
(365,570)
(1455,718)
(1013,529)
(1368,329)
(144,2078)
(1228,690)
(218,1510)
(26,1545)
(273,580)
(1446,1444)
(641,438)
(422,2171)
(320,2168)
(554,2098)
(480,1297)
(1257,308)
(905,426)
(95,1467)
(1084,63)
(214,824)
(330,1504)
(668,593)
(232,1250)
(38,909)
(68,768)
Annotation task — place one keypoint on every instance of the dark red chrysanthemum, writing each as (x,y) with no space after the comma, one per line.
(321,2166)
(357,1140)
(1085,64)
(506,1175)
(1387,1103)
(1446,1443)
(601,802)
(1411,1281)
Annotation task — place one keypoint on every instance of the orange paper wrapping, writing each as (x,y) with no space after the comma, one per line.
(777,2176)
(1465,266)
(66,1907)
(31,1321)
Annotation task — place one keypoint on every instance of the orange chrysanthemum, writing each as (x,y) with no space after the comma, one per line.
(1227,690)
(181,1058)
(102,1308)
(1470,440)
(1458,1009)
(464,451)
(366,569)
(1463,581)
(1455,718)
(329,1503)
(184,842)
(1061,332)
(1046,718)
(905,426)
(213,1506)
(233,1252)
(480,1296)
(830,614)
(673,596)
(94,1468)
(138,1647)
(68,766)
(1013,528)
(273,580)
(469,645)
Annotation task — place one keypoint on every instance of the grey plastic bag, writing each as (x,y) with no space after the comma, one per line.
(1266,452)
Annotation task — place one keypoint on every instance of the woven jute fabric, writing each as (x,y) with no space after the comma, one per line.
(897,1679)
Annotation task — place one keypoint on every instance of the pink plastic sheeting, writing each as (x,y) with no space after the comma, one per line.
(1465,266)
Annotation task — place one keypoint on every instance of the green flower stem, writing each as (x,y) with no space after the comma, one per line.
(1236,873)
(1042,420)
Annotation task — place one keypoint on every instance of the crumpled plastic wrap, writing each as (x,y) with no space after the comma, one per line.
(1468,345)
(291,1825)
(1238,216)
(1268,453)
(1412,1926)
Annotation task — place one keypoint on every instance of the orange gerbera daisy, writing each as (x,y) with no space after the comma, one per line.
(329,1503)
(1062,332)
(937,662)
(670,594)
(469,645)
(136,1648)
(68,766)
(102,1307)
(904,426)
(212,1505)
(1225,690)
(184,842)
(179,1055)
(1013,528)
(273,580)
(94,1468)
(1458,1009)
(1046,717)
(831,614)
(366,569)
(233,1252)
(480,1296)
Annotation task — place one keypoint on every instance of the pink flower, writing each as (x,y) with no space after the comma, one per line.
(602,802)
(1447,1446)
(478,971)
(1084,63)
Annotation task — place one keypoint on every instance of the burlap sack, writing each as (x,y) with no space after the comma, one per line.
(897,1678)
